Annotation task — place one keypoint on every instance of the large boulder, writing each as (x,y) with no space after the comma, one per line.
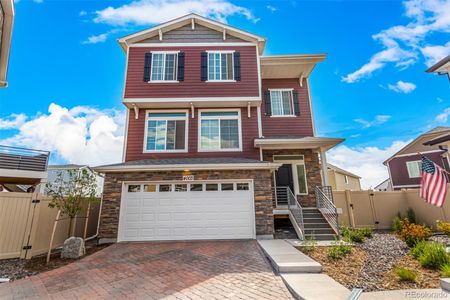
(73,248)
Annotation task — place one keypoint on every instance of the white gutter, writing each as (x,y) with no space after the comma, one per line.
(191,167)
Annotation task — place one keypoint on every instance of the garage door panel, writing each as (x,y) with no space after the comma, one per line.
(186,215)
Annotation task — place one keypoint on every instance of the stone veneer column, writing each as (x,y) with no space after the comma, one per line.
(109,218)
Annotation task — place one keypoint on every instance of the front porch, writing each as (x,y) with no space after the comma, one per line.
(300,189)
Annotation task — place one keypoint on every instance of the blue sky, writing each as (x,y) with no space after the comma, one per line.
(65,53)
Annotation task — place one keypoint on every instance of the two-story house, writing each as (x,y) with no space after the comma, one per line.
(213,126)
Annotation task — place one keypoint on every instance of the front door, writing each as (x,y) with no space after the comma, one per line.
(283,177)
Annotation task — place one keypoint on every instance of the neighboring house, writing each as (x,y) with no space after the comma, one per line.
(341,180)
(213,125)
(385,186)
(442,67)
(15,188)
(22,166)
(6,24)
(55,170)
(405,166)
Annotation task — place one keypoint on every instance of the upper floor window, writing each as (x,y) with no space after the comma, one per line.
(281,103)
(220,131)
(166,131)
(346,179)
(414,168)
(164,66)
(220,66)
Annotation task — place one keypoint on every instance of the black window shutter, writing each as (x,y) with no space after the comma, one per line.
(147,66)
(267,103)
(296,104)
(237,66)
(204,66)
(180,74)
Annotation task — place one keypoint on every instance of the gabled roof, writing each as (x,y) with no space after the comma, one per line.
(342,171)
(194,19)
(418,143)
(5,38)
(441,66)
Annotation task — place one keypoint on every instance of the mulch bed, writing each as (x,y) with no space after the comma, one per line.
(370,265)
(19,268)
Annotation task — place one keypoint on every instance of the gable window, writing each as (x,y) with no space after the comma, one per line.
(220,131)
(164,66)
(220,66)
(346,179)
(281,103)
(414,168)
(166,131)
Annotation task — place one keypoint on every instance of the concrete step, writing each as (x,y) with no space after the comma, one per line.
(287,259)
(315,286)
(319,231)
(317,225)
(312,215)
(321,237)
(314,220)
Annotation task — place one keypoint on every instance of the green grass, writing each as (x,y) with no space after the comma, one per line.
(405,274)
(445,271)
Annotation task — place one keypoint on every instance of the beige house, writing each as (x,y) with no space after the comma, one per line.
(442,67)
(341,180)
(6,23)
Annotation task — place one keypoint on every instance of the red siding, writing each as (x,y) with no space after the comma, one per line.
(399,171)
(136,129)
(289,126)
(192,86)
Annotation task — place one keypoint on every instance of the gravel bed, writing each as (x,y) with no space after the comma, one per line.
(14,269)
(441,238)
(383,252)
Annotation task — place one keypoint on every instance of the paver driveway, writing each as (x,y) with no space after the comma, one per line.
(173,270)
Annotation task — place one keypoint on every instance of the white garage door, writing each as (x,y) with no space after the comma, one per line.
(187,211)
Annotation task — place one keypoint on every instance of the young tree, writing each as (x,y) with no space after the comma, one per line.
(71,192)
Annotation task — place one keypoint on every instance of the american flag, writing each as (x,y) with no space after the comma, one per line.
(433,187)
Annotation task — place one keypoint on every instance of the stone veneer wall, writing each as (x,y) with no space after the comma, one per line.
(109,218)
(313,171)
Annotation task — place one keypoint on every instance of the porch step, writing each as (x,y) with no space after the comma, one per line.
(321,237)
(316,225)
(314,220)
(316,231)
(312,215)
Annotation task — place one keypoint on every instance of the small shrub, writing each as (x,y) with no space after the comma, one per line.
(354,235)
(367,232)
(397,224)
(411,216)
(418,249)
(434,256)
(338,250)
(445,271)
(443,227)
(405,274)
(309,245)
(414,233)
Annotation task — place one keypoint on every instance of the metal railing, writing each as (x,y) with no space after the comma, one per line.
(284,197)
(324,198)
(15,158)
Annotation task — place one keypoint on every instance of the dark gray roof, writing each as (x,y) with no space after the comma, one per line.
(68,166)
(187,161)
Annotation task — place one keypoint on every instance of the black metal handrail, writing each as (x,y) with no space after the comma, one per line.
(17,158)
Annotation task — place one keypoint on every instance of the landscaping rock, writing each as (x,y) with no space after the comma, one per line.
(443,239)
(384,251)
(73,248)
(14,268)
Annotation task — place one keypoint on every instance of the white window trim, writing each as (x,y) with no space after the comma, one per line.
(207,65)
(164,67)
(199,134)
(294,164)
(408,163)
(185,150)
(292,103)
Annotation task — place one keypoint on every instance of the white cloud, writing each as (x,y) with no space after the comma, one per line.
(403,43)
(13,121)
(443,117)
(82,135)
(94,39)
(366,162)
(378,120)
(271,8)
(433,54)
(402,87)
(82,13)
(149,12)
(38,1)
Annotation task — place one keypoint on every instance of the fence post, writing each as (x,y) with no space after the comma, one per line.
(31,226)
(371,194)
(348,201)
